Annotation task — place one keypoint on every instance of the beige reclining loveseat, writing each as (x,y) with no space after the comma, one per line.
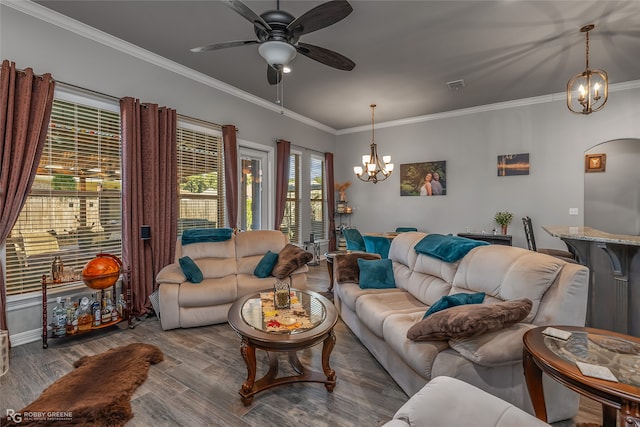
(228,268)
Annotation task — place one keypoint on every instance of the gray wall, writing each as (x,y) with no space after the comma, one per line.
(470,143)
(612,197)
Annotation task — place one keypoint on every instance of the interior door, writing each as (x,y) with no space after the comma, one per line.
(253,210)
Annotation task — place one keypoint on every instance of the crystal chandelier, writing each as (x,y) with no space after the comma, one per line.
(588,91)
(371,165)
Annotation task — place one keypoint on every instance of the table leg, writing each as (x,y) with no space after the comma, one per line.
(330,269)
(248,353)
(327,347)
(629,414)
(533,377)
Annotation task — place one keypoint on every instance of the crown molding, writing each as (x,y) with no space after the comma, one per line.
(54,18)
(47,15)
(616,87)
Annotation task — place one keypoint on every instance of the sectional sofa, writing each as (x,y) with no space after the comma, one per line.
(381,318)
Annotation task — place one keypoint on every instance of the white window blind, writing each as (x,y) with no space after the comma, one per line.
(74,207)
(200,178)
(316,181)
(291,220)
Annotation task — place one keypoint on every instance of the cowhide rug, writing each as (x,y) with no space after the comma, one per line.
(97,393)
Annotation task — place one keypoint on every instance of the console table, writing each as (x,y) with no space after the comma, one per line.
(494,239)
(614,282)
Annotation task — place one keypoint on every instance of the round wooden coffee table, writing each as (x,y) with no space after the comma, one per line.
(557,358)
(309,321)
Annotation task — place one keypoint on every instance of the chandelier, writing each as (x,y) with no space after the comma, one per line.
(371,165)
(588,91)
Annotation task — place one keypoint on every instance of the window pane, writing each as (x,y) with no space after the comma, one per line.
(74,207)
(317,197)
(200,180)
(291,221)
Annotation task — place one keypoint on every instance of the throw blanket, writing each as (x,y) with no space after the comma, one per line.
(200,235)
(447,248)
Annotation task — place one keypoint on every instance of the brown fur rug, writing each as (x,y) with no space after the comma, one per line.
(97,393)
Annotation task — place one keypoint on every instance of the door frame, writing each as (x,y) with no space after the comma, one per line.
(268,175)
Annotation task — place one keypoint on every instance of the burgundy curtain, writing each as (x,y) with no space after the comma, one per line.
(231,173)
(331,200)
(283,150)
(149,194)
(25,110)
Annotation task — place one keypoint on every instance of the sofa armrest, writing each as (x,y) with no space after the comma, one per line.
(472,406)
(499,348)
(171,273)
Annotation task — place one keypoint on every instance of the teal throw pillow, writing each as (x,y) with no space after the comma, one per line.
(449,301)
(376,274)
(266,264)
(190,269)
(446,248)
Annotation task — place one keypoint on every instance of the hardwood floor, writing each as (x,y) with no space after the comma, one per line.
(198,382)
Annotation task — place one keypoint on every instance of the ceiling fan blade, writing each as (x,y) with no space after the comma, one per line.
(326,56)
(320,17)
(247,13)
(273,76)
(224,45)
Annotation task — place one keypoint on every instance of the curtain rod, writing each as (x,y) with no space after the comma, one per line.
(115,98)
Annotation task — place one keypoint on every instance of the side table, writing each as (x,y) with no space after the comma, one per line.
(619,353)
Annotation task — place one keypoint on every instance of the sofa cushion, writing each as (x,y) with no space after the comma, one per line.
(449,301)
(376,274)
(190,269)
(346,266)
(257,243)
(419,355)
(374,308)
(201,235)
(225,249)
(217,267)
(446,248)
(507,273)
(350,292)
(496,348)
(469,320)
(290,259)
(266,264)
(209,292)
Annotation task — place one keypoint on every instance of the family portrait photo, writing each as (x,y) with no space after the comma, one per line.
(423,179)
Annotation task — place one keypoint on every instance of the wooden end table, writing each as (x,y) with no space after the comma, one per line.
(251,317)
(555,357)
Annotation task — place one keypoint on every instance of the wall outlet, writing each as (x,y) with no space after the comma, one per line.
(573,211)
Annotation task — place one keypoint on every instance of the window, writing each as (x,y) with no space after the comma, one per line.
(74,207)
(291,220)
(200,177)
(316,181)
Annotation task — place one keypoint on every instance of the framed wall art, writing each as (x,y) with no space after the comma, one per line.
(423,179)
(595,162)
(513,164)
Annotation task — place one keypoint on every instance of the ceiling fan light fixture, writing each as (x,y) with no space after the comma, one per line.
(277,53)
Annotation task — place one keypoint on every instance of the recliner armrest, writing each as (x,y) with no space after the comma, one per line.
(498,348)
(171,273)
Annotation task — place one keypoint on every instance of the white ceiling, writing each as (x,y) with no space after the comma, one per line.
(405,51)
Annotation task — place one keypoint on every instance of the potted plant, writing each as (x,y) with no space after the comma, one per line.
(503,219)
(342,189)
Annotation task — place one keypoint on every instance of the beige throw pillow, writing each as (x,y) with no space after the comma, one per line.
(469,320)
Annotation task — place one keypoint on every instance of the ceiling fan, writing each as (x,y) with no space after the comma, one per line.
(278,33)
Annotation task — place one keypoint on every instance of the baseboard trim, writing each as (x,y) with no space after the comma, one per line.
(25,337)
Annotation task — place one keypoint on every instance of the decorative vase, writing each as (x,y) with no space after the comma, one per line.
(281,295)
(504,229)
